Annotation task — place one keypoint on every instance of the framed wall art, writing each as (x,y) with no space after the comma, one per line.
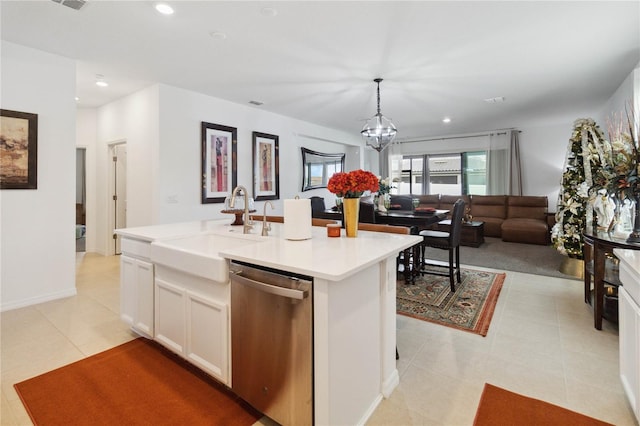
(219,162)
(18,150)
(266,167)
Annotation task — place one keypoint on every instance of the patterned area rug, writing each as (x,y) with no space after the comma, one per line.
(470,308)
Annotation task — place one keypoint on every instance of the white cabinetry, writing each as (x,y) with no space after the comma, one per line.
(629,326)
(192,320)
(629,323)
(136,287)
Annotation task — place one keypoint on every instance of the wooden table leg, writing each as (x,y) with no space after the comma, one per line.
(588,258)
(406,261)
(598,284)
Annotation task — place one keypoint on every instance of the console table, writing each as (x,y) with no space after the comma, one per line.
(602,242)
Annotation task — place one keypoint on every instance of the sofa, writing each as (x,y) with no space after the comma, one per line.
(514,218)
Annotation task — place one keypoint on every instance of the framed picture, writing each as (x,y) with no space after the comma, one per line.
(219,162)
(266,167)
(18,150)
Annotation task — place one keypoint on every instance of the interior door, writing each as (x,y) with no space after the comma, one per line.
(120,191)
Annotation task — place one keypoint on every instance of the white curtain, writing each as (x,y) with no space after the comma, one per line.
(515,170)
(394,162)
(498,164)
(383,159)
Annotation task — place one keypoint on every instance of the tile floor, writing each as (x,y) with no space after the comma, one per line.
(541,343)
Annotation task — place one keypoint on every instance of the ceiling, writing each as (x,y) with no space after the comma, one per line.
(315,61)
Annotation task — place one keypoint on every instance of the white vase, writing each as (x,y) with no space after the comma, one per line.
(381,206)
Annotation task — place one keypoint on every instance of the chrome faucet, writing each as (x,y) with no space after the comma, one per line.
(247,224)
(266,227)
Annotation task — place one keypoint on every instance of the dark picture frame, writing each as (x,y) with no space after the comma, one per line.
(219,162)
(266,166)
(18,150)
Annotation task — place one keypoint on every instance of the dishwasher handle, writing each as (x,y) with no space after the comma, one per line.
(269,288)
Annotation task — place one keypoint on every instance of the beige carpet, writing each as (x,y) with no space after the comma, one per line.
(517,257)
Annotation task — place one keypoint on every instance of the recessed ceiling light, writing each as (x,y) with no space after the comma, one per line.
(218,35)
(100,81)
(495,100)
(164,8)
(446,120)
(269,11)
(77,99)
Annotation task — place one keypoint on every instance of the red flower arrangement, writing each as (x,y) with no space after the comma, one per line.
(352,184)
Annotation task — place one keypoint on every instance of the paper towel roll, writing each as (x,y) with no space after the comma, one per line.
(297,219)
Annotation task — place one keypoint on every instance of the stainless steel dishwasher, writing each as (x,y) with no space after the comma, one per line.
(272,342)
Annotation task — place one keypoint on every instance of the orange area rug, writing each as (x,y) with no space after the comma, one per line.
(502,407)
(137,383)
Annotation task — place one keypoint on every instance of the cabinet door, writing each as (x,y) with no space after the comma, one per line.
(207,335)
(128,289)
(143,320)
(629,331)
(170,316)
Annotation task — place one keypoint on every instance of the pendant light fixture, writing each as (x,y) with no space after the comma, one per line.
(379,131)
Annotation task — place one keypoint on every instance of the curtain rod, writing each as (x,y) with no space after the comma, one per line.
(456,137)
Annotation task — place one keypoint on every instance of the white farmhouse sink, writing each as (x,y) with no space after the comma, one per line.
(197,255)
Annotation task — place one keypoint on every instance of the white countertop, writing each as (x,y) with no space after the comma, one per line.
(171,230)
(323,257)
(332,259)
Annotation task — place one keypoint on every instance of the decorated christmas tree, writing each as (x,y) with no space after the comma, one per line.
(574,212)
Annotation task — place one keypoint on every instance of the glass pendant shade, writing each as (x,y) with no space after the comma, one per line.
(379,131)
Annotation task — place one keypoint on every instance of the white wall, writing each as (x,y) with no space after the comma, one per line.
(543,151)
(38,226)
(618,104)
(134,120)
(179,169)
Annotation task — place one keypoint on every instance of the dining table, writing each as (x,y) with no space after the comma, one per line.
(599,244)
(417,221)
(394,217)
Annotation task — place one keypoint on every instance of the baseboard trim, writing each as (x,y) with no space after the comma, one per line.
(39,299)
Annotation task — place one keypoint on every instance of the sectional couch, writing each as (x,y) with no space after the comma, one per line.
(521,219)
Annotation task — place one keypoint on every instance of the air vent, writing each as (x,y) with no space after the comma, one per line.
(257,103)
(495,100)
(73,4)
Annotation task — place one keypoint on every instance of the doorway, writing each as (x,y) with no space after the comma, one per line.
(81,199)
(118,192)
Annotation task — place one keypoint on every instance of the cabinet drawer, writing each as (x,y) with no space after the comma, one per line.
(136,248)
(630,282)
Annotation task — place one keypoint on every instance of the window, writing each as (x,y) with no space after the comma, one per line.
(445,175)
(412,175)
(450,174)
(475,172)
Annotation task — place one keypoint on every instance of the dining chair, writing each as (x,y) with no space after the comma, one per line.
(367,213)
(322,222)
(446,241)
(259,218)
(317,204)
(407,256)
(280,219)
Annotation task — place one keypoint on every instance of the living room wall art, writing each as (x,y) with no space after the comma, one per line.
(18,150)
(219,162)
(266,167)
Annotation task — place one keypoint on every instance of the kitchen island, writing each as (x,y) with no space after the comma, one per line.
(354,311)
